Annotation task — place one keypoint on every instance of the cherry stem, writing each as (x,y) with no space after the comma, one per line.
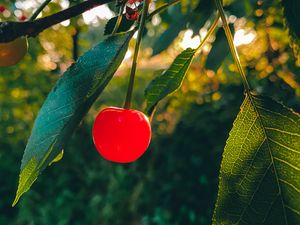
(136,53)
(162,8)
(232,47)
(209,32)
(39,10)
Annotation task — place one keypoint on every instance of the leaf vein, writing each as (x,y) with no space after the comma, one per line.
(290,185)
(283,131)
(284,146)
(287,163)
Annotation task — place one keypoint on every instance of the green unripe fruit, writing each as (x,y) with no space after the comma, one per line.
(12,52)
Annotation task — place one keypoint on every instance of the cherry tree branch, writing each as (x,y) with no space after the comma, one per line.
(10,30)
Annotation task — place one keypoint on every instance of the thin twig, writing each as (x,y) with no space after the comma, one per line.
(209,32)
(232,46)
(162,8)
(39,10)
(136,53)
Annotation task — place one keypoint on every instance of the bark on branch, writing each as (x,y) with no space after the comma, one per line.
(9,30)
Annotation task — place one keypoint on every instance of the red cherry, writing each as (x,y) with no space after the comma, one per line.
(132,14)
(121,135)
(23,18)
(2,8)
(134,1)
(131,1)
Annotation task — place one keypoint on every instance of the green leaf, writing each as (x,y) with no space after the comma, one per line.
(193,19)
(169,35)
(66,105)
(125,25)
(169,81)
(292,16)
(219,51)
(202,13)
(260,171)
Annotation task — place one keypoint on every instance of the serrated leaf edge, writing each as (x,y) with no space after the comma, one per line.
(32,177)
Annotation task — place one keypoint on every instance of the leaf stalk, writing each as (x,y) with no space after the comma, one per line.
(232,47)
(209,32)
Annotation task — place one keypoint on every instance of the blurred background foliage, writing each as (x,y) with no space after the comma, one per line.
(175,182)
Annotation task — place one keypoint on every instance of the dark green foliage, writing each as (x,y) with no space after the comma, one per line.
(168,36)
(176,181)
(156,190)
(200,15)
(178,21)
(85,189)
(291,8)
(188,161)
(219,51)
(292,16)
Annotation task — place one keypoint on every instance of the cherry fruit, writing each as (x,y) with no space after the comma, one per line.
(23,18)
(121,135)
(132,14)
(12,52)
(2,8)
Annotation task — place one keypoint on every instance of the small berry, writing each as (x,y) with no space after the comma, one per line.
(23,18)
(2,8)
(12,52)
(132,14)
(121,135)
(134,1)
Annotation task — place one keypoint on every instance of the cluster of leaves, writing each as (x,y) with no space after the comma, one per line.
(260,154)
